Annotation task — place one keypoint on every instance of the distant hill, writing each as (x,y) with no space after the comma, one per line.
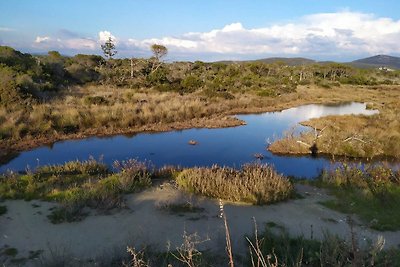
(378,61)
(295,61)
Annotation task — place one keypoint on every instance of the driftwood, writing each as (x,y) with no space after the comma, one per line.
(303,143)
(354,138)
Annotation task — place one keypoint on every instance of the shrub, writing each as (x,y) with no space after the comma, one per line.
(191,83)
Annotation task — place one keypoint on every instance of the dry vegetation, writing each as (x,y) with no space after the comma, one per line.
(351,135)
(128,111)
(254,183)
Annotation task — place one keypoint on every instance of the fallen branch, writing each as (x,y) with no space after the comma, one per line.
(354,138)
(303,143)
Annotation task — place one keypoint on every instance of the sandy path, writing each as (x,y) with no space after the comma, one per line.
(143,223)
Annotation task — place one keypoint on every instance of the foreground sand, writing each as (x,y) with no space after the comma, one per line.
(143,223)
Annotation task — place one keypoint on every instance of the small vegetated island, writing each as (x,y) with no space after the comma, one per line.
(46,98)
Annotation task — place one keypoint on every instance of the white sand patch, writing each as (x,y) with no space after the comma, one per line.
(143,223)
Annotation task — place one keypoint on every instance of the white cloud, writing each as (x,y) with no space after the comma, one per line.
(325,35)
(77,44)
(318,34)
(80,43)
(105,35)
(5,29)
(43,39)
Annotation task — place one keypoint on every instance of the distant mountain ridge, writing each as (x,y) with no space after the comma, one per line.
(294,61)
(378,61)
(369,62)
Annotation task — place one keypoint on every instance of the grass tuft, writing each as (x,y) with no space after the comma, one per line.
(254,183)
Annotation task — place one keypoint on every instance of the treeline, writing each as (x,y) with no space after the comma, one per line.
(26,78)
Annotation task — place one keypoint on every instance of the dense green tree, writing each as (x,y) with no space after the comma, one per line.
(11,94)
(17,60)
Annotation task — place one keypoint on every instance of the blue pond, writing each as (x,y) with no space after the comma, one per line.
(227,146)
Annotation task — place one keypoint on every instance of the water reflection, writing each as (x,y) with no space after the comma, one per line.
(227,146)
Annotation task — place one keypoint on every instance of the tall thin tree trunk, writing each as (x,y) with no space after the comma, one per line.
(131,67)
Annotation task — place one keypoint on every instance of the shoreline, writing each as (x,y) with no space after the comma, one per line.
(223,120)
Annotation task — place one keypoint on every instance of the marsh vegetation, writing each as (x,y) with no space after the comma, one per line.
(53,97)
(351,136)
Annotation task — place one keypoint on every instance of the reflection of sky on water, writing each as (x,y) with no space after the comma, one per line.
(227,146)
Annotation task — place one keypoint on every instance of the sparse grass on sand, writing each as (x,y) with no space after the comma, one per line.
(254,183)
(76,185)
(90,184)
(372,192)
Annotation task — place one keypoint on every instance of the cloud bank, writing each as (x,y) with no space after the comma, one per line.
(329,35)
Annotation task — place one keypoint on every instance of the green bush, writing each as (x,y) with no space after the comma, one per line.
(191,83)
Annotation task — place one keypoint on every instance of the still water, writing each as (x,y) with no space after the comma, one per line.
(227,146)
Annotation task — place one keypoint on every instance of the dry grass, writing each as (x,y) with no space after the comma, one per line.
(129,110)
(351,135)
(254,183)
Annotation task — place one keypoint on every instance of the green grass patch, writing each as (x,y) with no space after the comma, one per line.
(371,192)
(10,252)
(379,215)
(76,185)
(3,210)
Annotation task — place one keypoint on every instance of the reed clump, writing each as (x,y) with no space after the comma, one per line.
(253,183)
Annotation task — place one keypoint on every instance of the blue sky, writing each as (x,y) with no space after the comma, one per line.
(77,26)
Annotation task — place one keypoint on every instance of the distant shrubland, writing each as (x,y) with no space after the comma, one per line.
(24,76)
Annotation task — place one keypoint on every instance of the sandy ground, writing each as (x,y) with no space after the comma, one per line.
(143,223)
